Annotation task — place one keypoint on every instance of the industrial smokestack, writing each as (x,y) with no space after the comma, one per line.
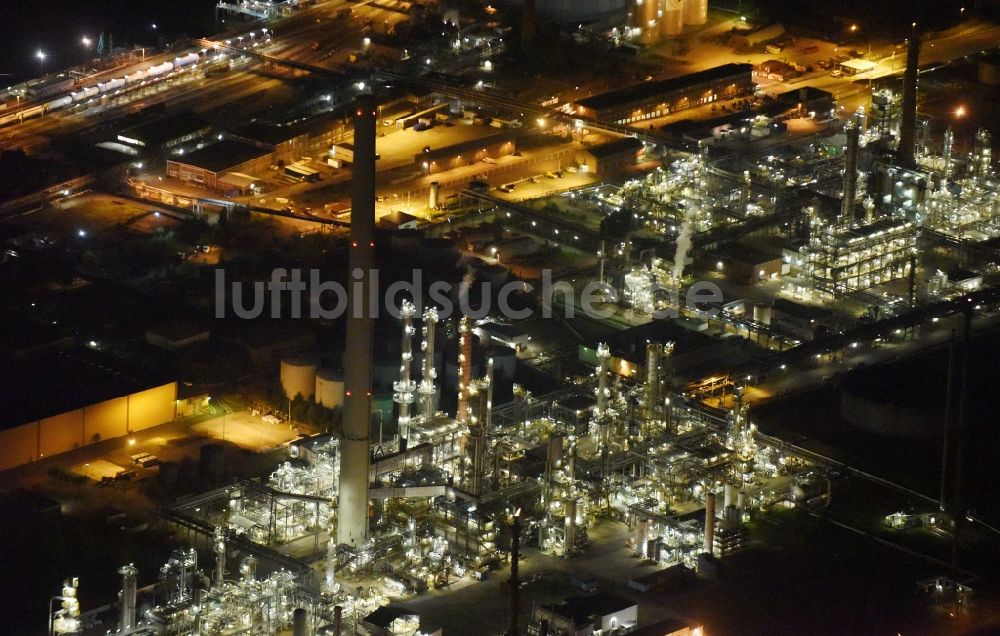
(126,604)
(710,523)
(352,511)
(850,173)
(338,620)
(908,123)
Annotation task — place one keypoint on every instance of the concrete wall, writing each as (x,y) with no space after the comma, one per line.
(97,422)
(18,445)
(151,407)
(60,433)
(106,419)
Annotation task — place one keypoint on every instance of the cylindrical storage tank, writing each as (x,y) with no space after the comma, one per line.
(432,197)
(329,388)
(672,18)
(648,12)
(635,13)
(298,377)
(695,12)
(762,314)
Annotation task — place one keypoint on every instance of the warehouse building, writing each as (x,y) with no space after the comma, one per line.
(286,143)
(204,167)
(610,158)
(656,99)
(70,399)
(465,153)
(167,133)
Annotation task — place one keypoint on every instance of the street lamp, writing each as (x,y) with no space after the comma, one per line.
(41,61)
(85,41)
(960,112)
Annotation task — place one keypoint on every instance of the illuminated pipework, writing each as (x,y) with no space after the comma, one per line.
(427,390)
(405,387)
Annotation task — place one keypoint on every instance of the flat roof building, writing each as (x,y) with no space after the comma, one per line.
(166,133)
(611,157)
(599,613)
(662,97)
(204,166)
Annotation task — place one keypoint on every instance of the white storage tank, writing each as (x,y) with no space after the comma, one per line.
(298,377)
(672,18)
(329,388)
(695,12)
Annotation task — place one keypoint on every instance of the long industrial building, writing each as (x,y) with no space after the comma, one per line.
(72,399)
(656,99)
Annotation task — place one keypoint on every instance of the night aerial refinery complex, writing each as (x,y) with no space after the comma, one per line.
(525,317)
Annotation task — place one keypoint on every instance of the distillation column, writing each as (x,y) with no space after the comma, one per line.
(405,387)
(427,390)
(126,602)
(850,193)
(488,423)
(603,356)
(908,121)
(949,143)
(352,508)
(710,523)
(464,368)
(219,548)
(652,379)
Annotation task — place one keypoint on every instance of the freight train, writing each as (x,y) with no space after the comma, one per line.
(101,88)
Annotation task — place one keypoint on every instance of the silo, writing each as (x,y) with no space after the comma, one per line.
(329,388)
(648,12)
(695,12)
(298,377)
(672,18)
